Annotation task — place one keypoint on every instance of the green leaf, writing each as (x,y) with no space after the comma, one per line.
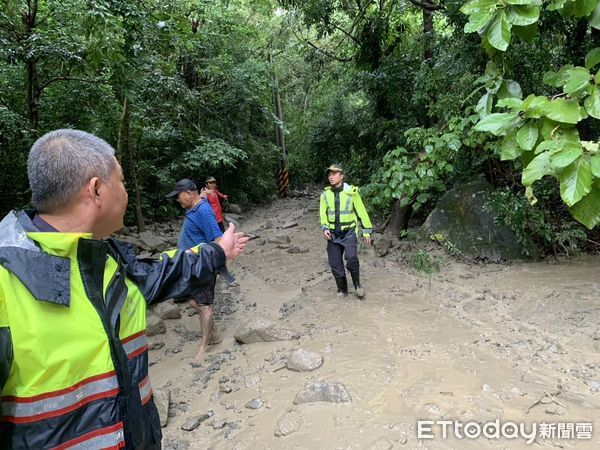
(565,156)
(509,149)
(595,164)
(527,34)
(498,33)
(595,18)
(476,5)
(509,102)
(510,88)
(498,123)
(523,2)
(562,110)
(527,135)
(523,15)
(592,103)
(578,8)
(533,106)
(592,57)
(575,181)
(559,78)
(577,78)
(484,105)
(587,210)
(545,146)
(536,169)
(479,20)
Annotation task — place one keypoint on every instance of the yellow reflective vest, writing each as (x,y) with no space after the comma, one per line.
(348,206)
(73,348)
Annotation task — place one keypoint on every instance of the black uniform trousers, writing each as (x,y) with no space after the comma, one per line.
(342,245)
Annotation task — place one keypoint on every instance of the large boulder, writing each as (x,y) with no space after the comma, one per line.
(460,220)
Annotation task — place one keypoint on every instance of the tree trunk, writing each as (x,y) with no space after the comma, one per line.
(125,154)
(34,90)
(398,220)
(428,37)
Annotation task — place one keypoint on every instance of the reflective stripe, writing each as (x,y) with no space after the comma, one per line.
(135,344)
(347,209)
(367,230)
(105,438)
(145,390)
(324,195)
(52,404)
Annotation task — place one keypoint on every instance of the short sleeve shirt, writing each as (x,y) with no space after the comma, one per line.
(199,227)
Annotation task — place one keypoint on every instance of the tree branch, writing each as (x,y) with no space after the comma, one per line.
(67,78)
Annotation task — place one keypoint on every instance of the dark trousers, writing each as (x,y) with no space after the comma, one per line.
(343,245)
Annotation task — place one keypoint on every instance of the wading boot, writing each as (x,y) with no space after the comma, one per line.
(358,289)
(342,286)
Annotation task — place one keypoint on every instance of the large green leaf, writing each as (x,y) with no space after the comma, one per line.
(592,57)
(527,34)
(595,163)
(536,169)
(565,156)
(558,78)
(523,2)
(575,181)
(533,106)
(524,15)
(484,105)
(577,78)
(595,18)
(498,32)
(509,149)
(477,5)
(527,135)
(563,110)
(579,8)
(592,103)
(479,20)
(510,88)
(587,210)
(498,123)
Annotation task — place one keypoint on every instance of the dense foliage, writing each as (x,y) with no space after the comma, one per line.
(411,96)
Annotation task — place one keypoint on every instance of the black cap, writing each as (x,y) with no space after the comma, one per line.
(209,179)
(182,186)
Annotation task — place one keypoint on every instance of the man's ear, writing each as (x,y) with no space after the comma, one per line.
(92,189)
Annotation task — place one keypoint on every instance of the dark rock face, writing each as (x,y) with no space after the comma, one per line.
(460,219)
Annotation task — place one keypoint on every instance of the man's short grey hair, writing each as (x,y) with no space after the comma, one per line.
(61,162)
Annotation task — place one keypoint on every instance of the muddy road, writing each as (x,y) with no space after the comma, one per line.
(481,344)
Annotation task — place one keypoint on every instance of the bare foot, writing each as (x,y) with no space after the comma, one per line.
(199,358)
(215,336)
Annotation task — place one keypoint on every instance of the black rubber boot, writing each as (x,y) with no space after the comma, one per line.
(358,289)
(342,285)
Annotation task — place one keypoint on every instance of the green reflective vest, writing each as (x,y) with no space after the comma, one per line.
(350,210)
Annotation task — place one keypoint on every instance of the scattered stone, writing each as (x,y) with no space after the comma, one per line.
(256,403)
(595,387)
(162,398)
(280,239)
(194,422)
(219,424)
(323,392)
(252,382)
(154,325)
(290,224)
(260,329)
(304,361)
(296,250)
(156,345)
(382,245)
(233,208)
(167,310)
(288,424)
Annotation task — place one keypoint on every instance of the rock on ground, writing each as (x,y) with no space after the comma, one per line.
(323,392)
(304,361)
(263,330)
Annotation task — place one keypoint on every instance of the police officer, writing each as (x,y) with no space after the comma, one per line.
(340,211)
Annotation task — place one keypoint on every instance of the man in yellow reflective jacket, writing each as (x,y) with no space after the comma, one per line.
(341,210)
(73,348)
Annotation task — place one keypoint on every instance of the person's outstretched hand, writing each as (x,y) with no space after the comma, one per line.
(233,243)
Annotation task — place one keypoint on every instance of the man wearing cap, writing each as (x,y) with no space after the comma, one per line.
(341,209)
(199,227)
